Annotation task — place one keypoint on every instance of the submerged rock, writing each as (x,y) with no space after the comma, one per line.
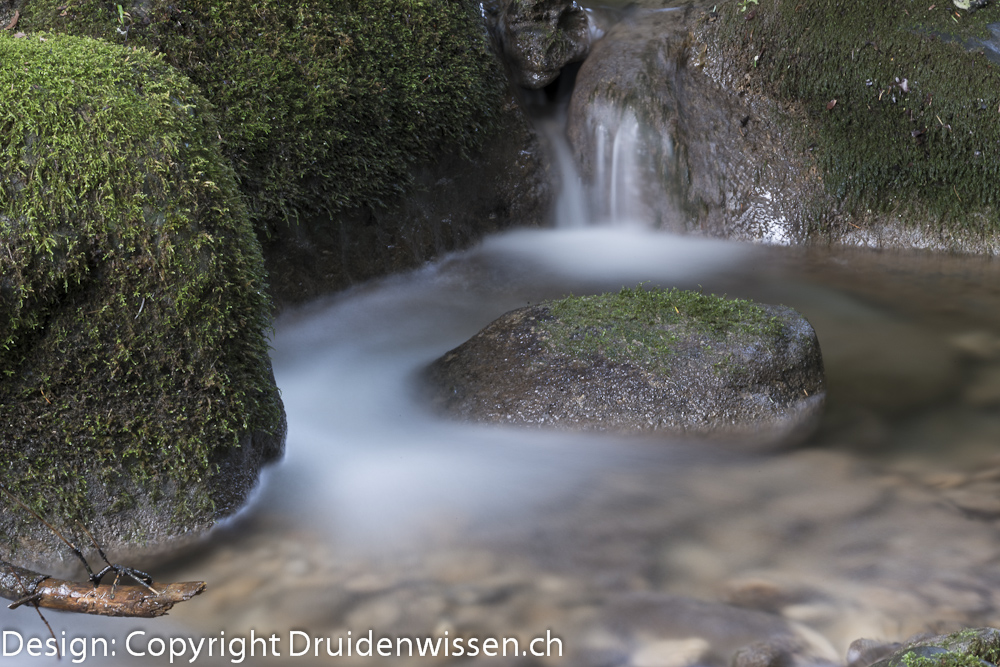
(137,393)
(639,361)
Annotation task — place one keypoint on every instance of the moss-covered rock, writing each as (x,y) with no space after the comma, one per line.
(972,647)
(640,361)
(329,110)
(680,151)
(900,107)
(137,394)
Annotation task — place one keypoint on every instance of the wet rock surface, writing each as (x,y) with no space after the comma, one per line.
(761,379)
(540,37)
(710,161)
(680,128)
(895,174)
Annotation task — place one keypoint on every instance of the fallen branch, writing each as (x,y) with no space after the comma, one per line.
(24,586)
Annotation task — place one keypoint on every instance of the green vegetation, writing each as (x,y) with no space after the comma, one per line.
(323,105)
(966,648)
(640,325)
(132,306)
(903,117)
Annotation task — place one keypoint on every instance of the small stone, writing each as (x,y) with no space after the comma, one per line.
(759,654)
(380,613)
(864,652)
(981,500)
(981,345)
(671,653)
(757,594)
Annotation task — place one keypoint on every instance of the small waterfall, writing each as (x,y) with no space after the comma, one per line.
(622,181)
(571,208)
(613,196)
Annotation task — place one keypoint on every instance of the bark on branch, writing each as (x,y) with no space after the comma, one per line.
(28,587)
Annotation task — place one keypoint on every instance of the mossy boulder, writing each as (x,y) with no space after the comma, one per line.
(897,105)
(972,647)
(640,361)
(137,394)
(333,112)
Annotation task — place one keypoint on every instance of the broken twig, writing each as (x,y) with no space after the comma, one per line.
(24,586)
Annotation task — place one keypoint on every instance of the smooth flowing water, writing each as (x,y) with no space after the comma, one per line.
(384,517)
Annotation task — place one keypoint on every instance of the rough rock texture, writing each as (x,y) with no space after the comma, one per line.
(539,37)
(902,130)
(137,392)
(639,361)
(336,115)
(754,126)
(664,144)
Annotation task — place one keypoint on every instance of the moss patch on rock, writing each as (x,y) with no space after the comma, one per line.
(644,325)
(903,117)
(323,105)
(132,309)
(972,647)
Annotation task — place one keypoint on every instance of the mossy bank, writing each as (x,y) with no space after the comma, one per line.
(331,111)
(897,103)
(137,394)
(640,361)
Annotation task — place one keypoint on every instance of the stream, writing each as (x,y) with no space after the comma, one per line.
(383,517)
(613,551)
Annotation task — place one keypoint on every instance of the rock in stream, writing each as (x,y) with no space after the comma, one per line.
(639,361)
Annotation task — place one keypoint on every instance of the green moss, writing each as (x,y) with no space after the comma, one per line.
(966,648)
(132,311)
(932,145)
(942,660)
(323,105)
(643,326)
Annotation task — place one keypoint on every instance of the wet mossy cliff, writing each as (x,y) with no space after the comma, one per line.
(898,103)
(367,135)
(136,392)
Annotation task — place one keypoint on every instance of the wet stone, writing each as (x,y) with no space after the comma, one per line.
(864,652)
(640,361)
